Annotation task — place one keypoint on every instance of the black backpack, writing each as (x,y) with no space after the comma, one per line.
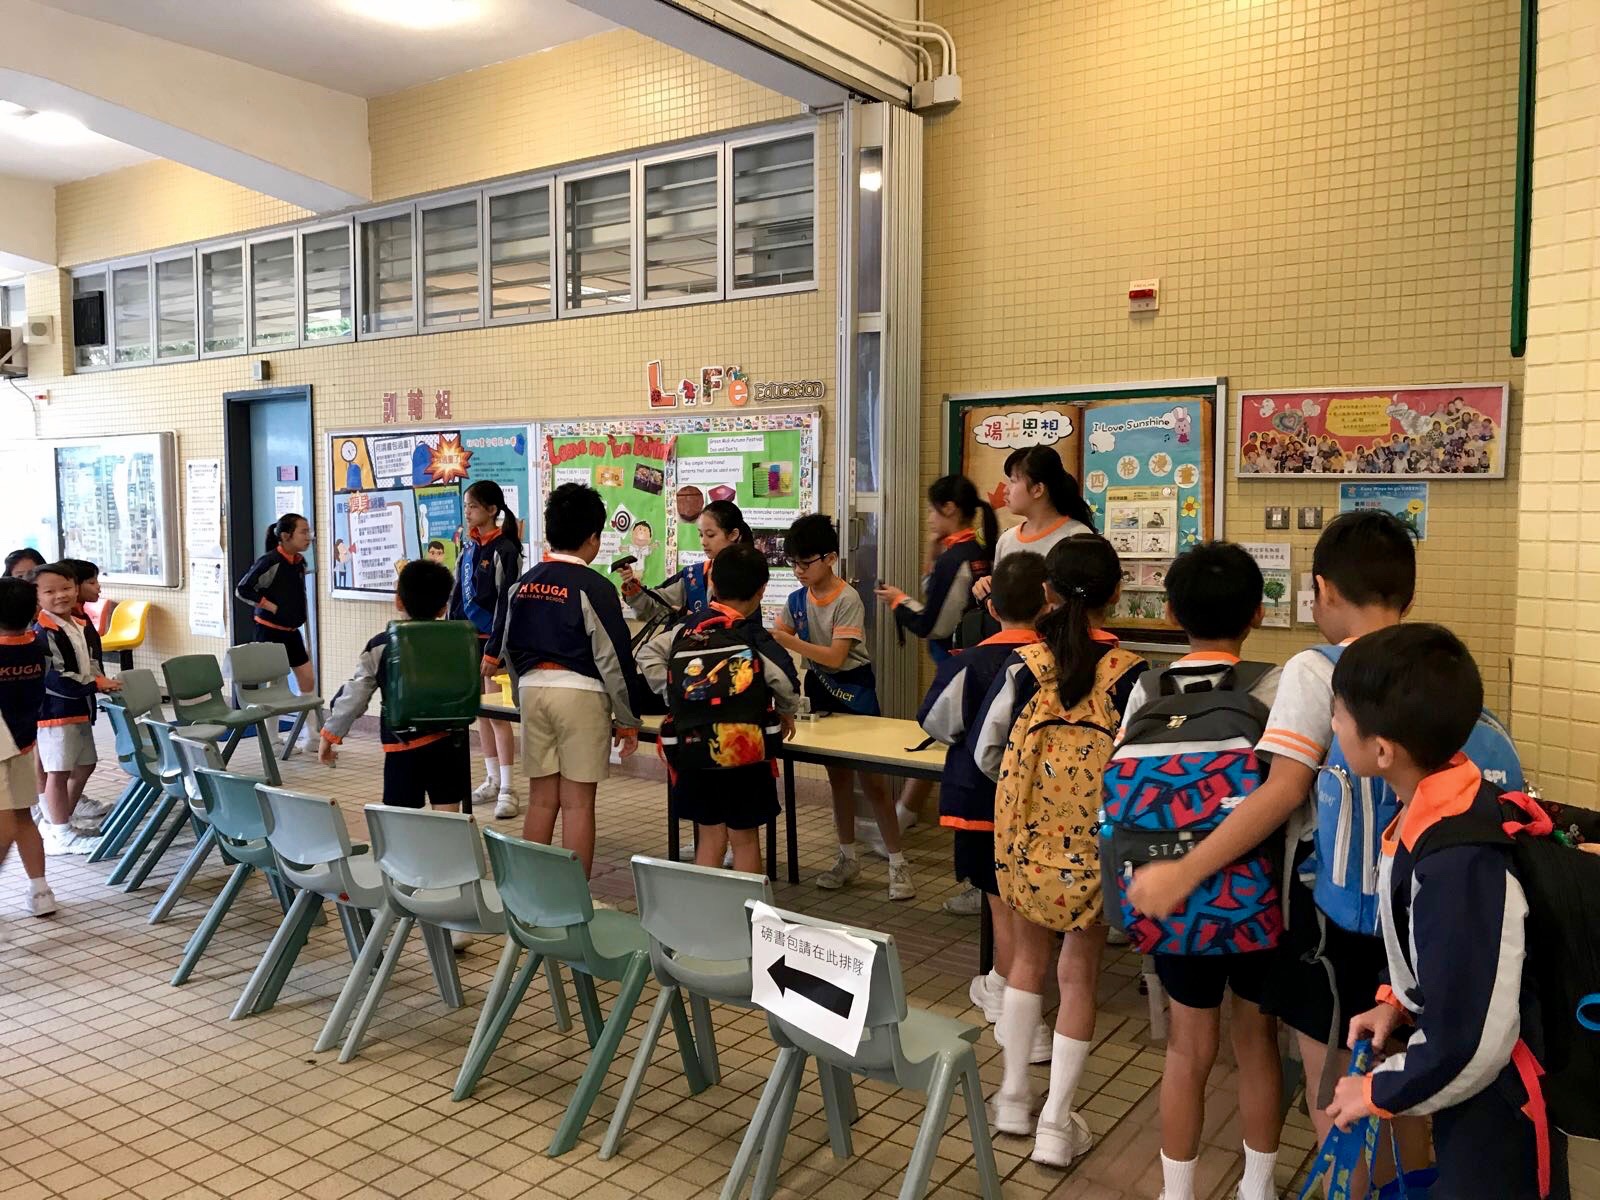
(719,707)
(1562,886)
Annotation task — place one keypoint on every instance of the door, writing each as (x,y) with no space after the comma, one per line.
(268,436)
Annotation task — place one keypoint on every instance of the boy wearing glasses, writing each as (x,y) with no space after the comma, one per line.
(825,624)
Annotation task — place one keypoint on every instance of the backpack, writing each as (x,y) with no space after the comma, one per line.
(1353,811)
(1184,761)
(719,707)
(1562,887)
(432,678)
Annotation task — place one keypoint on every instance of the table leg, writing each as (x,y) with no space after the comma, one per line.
(791,832)
(985,937)
(772,849)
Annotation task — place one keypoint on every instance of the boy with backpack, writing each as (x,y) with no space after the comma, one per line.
(1187,746)
(731,695)
(1455,918)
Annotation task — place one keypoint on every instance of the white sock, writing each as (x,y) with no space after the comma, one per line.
(848,851)
(1177,1178)
(897,859)
(905,816)
(1067,1058)
(1259,1168)
(995,981)
(38,886)
(505,777)
(1019,1014)
(492,765)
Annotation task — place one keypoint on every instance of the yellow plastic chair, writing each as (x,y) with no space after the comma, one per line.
(129,621)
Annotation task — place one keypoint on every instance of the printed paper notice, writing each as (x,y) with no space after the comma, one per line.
(289,498)
(1273,559)
(380,541)
(1408,501)
(816,979)
(202,518)
(724,469)
(208,597)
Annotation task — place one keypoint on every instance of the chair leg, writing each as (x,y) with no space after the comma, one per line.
(770,1165)
(157,852)
(208,926)
(670,995)
(203,847)
(228,747)
(927,1147)
(693,1069)
(588,1004)
(294,735)
(158,814)
(371,948)
(355,932)
(978,1123)
(594,1075)
(281,952)
(497,991)
(117,818)
(442,959)
(705,1038)
(558,995)
(112,840)
(269,756)
(478,1060)
(836,1105)
(369,1006)
(280,973)
(777,1084)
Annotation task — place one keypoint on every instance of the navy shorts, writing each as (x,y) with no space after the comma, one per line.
(438,773)
(974,859)
(1325,975)
(1201,980)
(738,797)
(289,639)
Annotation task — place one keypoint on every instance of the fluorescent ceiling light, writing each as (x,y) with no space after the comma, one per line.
(418,14)
(53,129)
(871,180)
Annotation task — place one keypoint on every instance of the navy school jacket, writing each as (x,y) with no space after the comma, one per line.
(70,682)
(22,670)
(280,578)
(485,574)
(946,590)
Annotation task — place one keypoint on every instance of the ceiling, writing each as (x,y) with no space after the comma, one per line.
(348,45)
(90,155)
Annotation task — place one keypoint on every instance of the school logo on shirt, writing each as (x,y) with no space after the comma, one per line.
(543,591)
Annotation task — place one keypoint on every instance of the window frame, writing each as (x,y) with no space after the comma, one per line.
(630,167)
(348,225)
(717,152)
(292,236)
(744,141)
(546,182)
(359,222)
(202,328)
(419,282)
(104,271)
(126,264)
(192,254)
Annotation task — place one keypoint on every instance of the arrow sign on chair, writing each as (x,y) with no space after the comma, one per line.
(819,991)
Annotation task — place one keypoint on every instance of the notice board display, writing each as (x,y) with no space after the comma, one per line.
(396,495)
(657,473)
(116,500)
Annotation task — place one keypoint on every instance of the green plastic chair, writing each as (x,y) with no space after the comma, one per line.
(700,947)
(260,672)
(195,687)
(234,810)
(551,915)
(176,774)
(142,792)
(139,697)
(911,1048)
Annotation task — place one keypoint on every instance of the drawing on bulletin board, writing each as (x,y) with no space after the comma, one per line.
(1436,431)
(116,501)
(1408,501)
(397,496)
(990,433)
(657,474)
(1274,560)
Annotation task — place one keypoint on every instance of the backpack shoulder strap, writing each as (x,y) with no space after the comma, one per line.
(1475,827)
(1039,659)
(1247,675)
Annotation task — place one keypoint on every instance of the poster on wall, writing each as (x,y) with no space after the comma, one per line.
(990,433)
(1437,431)
(1274,561)
(1408,501)
(658,473)
(397,495)
(116,500)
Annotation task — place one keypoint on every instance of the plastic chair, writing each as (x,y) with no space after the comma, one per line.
(550,914)
(909,1047)
(260,672)
(699,945)
(125,630)
(147,808)
(235,814)
(312,847)
(195,687)
(433,874)
(179,757)
(139,695)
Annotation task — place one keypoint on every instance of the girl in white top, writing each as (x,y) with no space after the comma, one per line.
(1042,492)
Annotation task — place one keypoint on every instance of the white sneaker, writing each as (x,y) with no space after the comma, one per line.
(908,819)
(41,900)
(900,885)
(968,903)
(459,940)
(990,1001)
(1044,1042)
(844,871)
(486,790)
(506,807)
(88,827)
(61,839)
(1012,1115)
(1058,1145)
(93,808)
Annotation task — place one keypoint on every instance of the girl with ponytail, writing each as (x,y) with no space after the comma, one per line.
(1046,738)
(275,589)
(720,524)
(490,564)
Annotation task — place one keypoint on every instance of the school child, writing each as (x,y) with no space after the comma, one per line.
(491,560)
(566,639)
(1364,569)
(275,588)
(88,814)
(74,676)
(824,622)
(22,671)
(20,564)
(1453,915)
(724,775)
(1045,495)
(1214,593)
(1045,738)
(720,525)
(949,713)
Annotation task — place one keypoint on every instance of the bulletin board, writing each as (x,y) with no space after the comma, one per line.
(656,474)
(1147,456)
(396,493)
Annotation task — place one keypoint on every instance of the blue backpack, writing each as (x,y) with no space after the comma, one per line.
(1353,811)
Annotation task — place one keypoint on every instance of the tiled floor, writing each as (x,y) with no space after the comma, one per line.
(117,1084)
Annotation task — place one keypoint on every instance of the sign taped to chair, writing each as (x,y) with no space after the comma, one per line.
(815,979)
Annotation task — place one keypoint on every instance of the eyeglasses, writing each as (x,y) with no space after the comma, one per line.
(804,564)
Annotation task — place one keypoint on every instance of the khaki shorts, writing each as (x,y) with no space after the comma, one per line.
(566,731)
(17,783)
(65,747)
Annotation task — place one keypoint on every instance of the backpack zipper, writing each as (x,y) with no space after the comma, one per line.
(1369,849)
(1342,831)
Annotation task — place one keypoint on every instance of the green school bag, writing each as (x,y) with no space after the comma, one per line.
(431,676)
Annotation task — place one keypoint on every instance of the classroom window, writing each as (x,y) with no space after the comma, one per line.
(598,211)
(222,300)
(328,281)
(388,275)
(519,255)
(774,213)
(14,305)
(274,317)
(682,229)
(175,312)
(450,266)
(91,334)
(130,308)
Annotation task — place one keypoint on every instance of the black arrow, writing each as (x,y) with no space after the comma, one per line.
(819,991)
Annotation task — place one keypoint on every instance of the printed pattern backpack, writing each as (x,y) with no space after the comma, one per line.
(1047,803)
(1353,811)
(719,707)
(1185,761)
